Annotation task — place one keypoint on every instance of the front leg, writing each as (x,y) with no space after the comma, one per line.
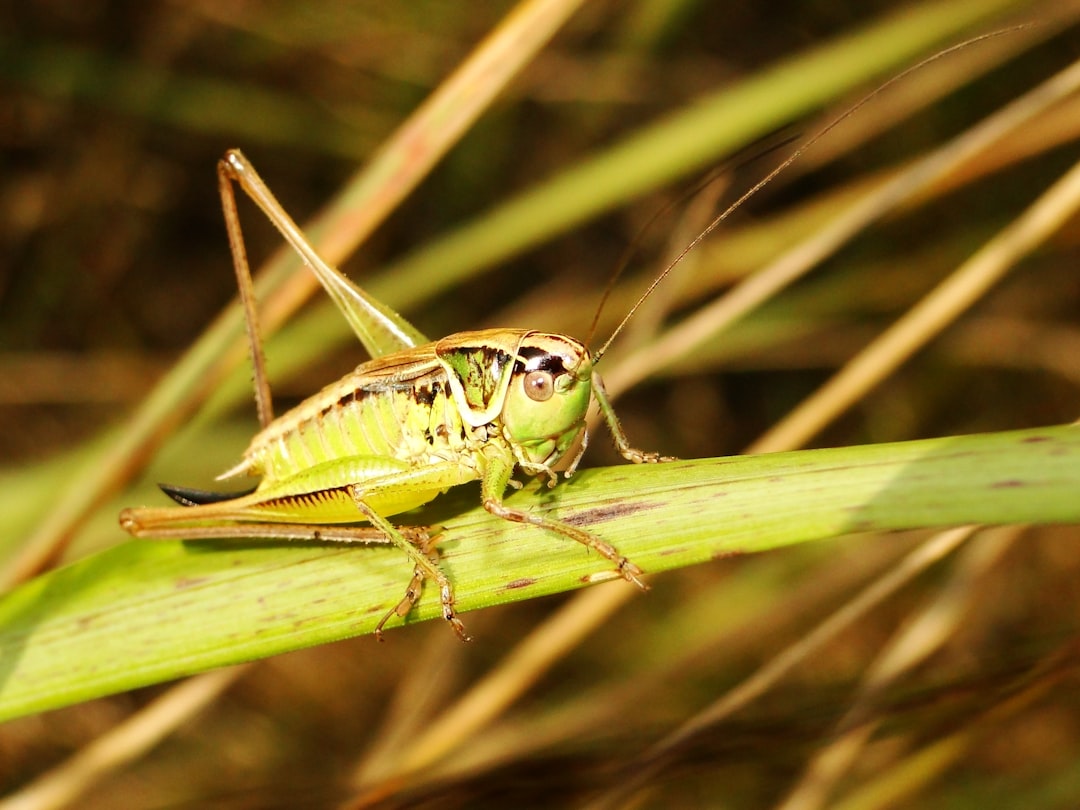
(621,442)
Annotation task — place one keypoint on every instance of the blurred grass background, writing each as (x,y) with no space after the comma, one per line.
(114,259)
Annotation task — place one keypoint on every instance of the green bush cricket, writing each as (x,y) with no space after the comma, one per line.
(417,419)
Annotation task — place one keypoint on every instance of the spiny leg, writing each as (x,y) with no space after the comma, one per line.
(408,537)
(500,467)
(627,569)
(263,400)
(408,601)
(379,328)
(420,537)
(132,522)
(415,588)
(425,566)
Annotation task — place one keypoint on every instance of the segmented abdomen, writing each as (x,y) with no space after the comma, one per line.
(411,419)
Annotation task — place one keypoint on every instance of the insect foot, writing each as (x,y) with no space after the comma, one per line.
(636,456)
(631,572)
(412,595)
(427,567)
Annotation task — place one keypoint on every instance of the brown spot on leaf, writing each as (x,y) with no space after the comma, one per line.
(189,582)
(525,582)
(601,514)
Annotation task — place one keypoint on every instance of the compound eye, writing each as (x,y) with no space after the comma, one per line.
(539,385)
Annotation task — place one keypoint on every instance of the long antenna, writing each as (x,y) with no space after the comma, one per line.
(635,244)
(817,136)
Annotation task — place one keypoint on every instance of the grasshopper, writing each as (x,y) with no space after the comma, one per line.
(417,419)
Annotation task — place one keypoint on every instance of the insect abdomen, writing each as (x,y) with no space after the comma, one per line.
(413,421)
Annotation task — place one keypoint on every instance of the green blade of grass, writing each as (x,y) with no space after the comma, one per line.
(147,612)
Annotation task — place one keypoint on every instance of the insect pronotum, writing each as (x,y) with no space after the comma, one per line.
(417,419)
